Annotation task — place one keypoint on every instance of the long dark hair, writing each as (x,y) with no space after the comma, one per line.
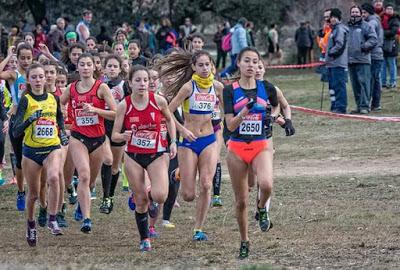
(178,66)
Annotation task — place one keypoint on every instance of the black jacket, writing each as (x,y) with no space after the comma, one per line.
(390,43)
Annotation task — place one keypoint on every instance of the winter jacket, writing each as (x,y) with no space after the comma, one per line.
(239,38)
(337,47)
(390,46)
(362,39)
(303,37)
(375,22)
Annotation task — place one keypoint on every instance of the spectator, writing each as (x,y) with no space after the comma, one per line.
(71,38)
(273,42)
(55,41)
(166,36)
(362,39)
(83,27)
(45,25)
(121,37)
(337,62)
(250,34)
(238,41)
(390,46)
(142,34)
(186,29)
(221,54)
(310,53)
(69,27)
(40,36)
(324,33)
(103,37)
(379,8)
(303,39)
(374,21)
(14,34)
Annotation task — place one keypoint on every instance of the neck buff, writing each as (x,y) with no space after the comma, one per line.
(203,83)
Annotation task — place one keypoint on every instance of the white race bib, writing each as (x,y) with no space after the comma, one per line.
(203,102)
(251,125)
(86,118)
(45,129)
(144,139)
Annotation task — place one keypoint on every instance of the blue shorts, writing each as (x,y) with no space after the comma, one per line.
(199,144)
(38,154)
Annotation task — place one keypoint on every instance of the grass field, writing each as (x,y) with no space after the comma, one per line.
(336,205)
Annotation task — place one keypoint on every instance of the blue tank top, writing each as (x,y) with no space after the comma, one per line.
(18,88)
(252,126)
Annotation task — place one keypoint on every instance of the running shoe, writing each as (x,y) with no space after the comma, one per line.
(216,201)
(131,202)
(111,204)
(145,245)
(244,249)
(125,189)
(62,222)
(93,194)
(78,213)
(64,208)
(153,209)
(257,218)
(31,235)
(73,196)
(167,224)
(105,206)
(42,218)
(21,201)
(75,182)
(264,221)
(54,228)
(199,236)
(152,232)
(86,226)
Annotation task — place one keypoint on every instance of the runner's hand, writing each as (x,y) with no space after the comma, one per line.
(289,129)
(88,108)
(11,50)
(172,150)
(64,138)
(188,135)
(127,135)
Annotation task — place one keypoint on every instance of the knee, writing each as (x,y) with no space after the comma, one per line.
(265,185)
(205,185)
(159,197)
(141,200)
(84,177)
(188,196)
(241,205)
(32,196)
(52,179)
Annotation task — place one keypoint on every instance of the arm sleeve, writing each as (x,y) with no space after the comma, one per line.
(19,124)
(242,38)
(60,117)
(371,38)
(339,43)
(272,96)
(228,99)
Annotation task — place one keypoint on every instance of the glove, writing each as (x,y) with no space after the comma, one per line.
(35,116)
(250,104)
(364,50)
(64,138)
(289,129)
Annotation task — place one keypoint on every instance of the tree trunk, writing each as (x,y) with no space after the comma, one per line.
(38,9)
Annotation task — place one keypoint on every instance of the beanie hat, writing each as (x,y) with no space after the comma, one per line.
(335,12)
(71,35)
(368,8)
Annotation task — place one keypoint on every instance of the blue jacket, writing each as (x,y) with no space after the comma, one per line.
(239,38)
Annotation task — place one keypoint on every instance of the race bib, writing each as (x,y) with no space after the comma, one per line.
(144,139)
(203,102)
(45,129)
(216,114)
(163,131)
(251,125)
(86,118)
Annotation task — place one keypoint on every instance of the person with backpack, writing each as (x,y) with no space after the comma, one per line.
(166,36)
(238,41)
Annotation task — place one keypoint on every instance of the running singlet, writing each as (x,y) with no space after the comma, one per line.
(58,92)
(117,91)
(42,132)
(252,126)
(200,103)
(86,123)
(145,126)
(18,88)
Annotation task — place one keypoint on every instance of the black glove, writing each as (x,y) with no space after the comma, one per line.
(364,50)
(64,138)
(250,104)
(35,116)
(289,129)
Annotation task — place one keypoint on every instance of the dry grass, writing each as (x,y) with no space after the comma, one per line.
(335,205)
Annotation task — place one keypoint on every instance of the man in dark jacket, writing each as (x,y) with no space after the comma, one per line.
(362,39)
(390,46)
(303,39)
(337,62)
(368,13)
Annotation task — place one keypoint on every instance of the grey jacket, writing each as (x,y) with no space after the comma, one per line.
(375,22)
(362,39)
(336,52)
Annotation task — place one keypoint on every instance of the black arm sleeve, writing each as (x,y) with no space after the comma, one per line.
(228,99)
(272,96)
(19,124)
(60,117)
(3,114)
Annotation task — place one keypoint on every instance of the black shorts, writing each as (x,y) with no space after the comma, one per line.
(109,127)
(16,143)
(144,160)
(38,154)
(91,143)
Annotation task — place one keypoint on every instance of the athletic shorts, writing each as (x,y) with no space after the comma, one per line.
(91,143)
(144,160)
(199,144)
(247,151)
(38,154)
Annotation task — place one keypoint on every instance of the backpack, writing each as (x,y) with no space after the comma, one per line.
(226,44)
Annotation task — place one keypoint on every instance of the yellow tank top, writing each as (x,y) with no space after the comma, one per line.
(44,131)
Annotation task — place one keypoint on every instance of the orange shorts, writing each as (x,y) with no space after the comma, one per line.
(247,151)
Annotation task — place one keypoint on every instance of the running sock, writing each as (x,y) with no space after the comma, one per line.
(106,173)
(52,218)
(114,181)
(125,182)
(13,163)
(217,180)
(142,222)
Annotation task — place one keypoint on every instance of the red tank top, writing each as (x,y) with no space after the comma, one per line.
(145,126)
(88,124)
(58,92)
